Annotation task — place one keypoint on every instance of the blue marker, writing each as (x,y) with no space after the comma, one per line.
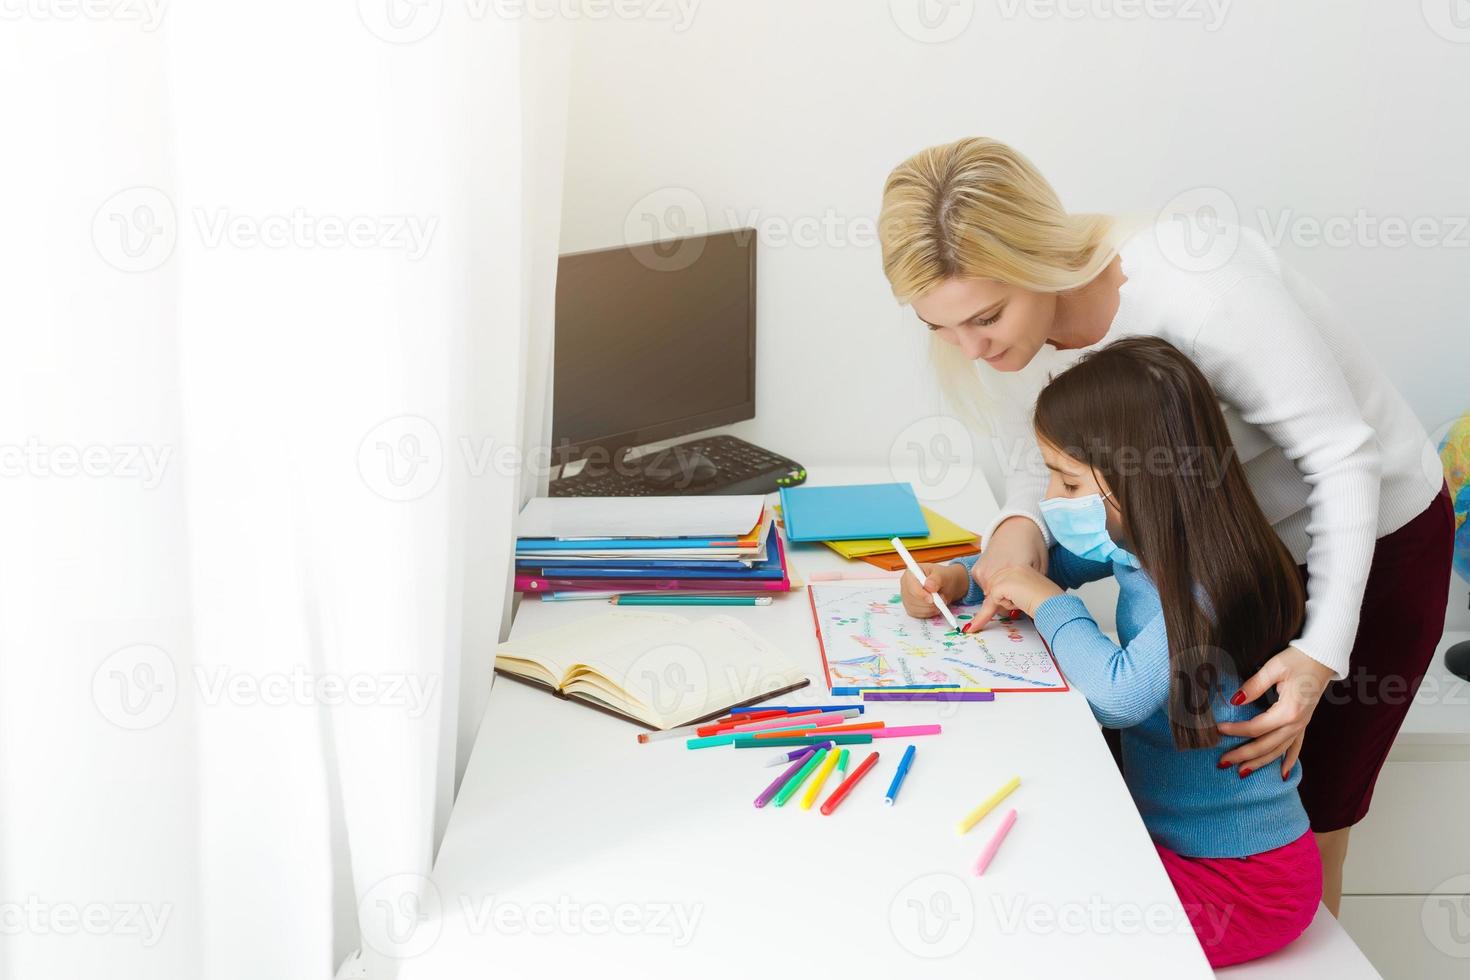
(903,770)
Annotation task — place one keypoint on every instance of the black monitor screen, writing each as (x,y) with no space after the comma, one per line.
(653,341)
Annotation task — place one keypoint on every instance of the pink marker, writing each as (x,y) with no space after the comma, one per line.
(986,855)
(904,731)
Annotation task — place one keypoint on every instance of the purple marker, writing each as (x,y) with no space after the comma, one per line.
(782,779)
(785,757)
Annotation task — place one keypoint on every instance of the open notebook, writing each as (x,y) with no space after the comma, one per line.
(657,669)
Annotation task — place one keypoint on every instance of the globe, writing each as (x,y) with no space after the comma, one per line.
(1454,453)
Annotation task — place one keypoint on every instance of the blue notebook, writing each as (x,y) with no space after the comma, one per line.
(849,513)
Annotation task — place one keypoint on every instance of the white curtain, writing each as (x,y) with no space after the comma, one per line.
(277,281)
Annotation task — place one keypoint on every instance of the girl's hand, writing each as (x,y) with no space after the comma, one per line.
(949,580)
(1017,542)
(1014,588)
(1299,681)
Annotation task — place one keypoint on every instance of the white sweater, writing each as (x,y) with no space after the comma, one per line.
(1332,451)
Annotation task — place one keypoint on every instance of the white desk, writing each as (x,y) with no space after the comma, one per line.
(562,812)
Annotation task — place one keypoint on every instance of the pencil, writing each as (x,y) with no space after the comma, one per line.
(914,569)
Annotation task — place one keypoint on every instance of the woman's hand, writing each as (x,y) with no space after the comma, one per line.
(1016,542)
(949,580)
(1014,588)
(1299,681)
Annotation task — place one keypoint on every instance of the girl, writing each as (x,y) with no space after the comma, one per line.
(1145,486)
(1012,285)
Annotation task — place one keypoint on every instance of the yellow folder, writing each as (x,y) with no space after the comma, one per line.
(942,532)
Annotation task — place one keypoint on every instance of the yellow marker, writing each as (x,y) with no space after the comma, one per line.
(818,780)
(977,814)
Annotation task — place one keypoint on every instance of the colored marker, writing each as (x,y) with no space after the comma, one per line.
(840,793)
(929,696)
(913,567)
(789,790)
(780,780)
(729,721)
(727,738)
(794,708)
(863,726)
(980,811)
(986,855)
(823,772)
(903,770)
(787,757)
(905,731)
(842,762)
(854,738)
(689,600)
(849,692)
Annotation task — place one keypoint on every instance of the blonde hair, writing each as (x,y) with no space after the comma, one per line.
(977,209)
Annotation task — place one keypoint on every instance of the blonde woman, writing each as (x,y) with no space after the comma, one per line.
(1012,287)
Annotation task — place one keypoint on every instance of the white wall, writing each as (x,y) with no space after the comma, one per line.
(788,116)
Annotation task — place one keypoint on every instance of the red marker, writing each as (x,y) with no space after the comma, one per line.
(839,794)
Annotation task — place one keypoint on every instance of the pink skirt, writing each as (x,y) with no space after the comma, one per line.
(1242,908)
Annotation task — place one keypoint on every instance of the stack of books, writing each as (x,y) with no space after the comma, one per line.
(600,547)
(861,521)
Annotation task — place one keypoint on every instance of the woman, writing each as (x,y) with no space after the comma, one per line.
(977,242)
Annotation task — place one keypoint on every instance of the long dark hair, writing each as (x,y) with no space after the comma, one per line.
(1145,419)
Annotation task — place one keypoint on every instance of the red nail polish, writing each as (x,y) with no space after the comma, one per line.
(1238,698)
(1286,775)
(1246,772)
(1222,764)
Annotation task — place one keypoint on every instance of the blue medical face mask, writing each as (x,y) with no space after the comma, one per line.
(1080,524)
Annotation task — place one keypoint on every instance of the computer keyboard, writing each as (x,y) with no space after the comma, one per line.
(740,467)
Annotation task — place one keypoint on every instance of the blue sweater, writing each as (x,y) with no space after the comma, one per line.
(1188,804)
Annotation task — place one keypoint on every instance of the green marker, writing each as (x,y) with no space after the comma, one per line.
(789,790)
(842,762)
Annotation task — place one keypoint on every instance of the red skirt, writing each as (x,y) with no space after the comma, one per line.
(1242,908)
(1402,623)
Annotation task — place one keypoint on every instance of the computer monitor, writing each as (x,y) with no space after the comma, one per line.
(652,342)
